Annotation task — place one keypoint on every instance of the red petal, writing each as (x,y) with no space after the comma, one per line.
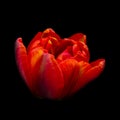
(63,45)
(79,37)
(35,58)
(50,32)
(35,41)
(52,44)
(70,70)
(51,77)
(63,56)
(22,61)
(91,72)
(81,52)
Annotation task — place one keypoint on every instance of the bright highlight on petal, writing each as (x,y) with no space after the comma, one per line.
(55,68)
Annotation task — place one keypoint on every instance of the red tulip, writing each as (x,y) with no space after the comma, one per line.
(55,68)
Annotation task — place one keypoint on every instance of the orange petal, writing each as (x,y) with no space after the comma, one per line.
(51,77)
(22,61)
(35,41)
(70,70)
(79,37)
(92,71)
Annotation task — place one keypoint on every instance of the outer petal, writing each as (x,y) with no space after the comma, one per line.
(35,41)
(79,37)
(35,58)
(22,61)
(51,78)
(70,70)
(89,73)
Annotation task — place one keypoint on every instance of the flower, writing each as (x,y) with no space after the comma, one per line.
(55,68)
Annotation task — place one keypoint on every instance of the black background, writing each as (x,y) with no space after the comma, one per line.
(22,20)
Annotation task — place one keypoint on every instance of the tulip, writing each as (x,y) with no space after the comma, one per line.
(55,68)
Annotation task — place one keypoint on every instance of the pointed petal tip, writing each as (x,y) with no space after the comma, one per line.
(100,63)
(19,39)
(49,30)
(18,43)
(79,37)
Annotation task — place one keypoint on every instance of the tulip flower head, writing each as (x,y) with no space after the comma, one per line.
(54,67)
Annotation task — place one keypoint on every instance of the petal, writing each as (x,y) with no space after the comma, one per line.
(70,70)
(35,41)
(52,44)
(96,69)
(63,45)
(51,78)
(63,56)
(81,52)
(35,58)
(79,37)
(50,32)
(22,61)
(88,74)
